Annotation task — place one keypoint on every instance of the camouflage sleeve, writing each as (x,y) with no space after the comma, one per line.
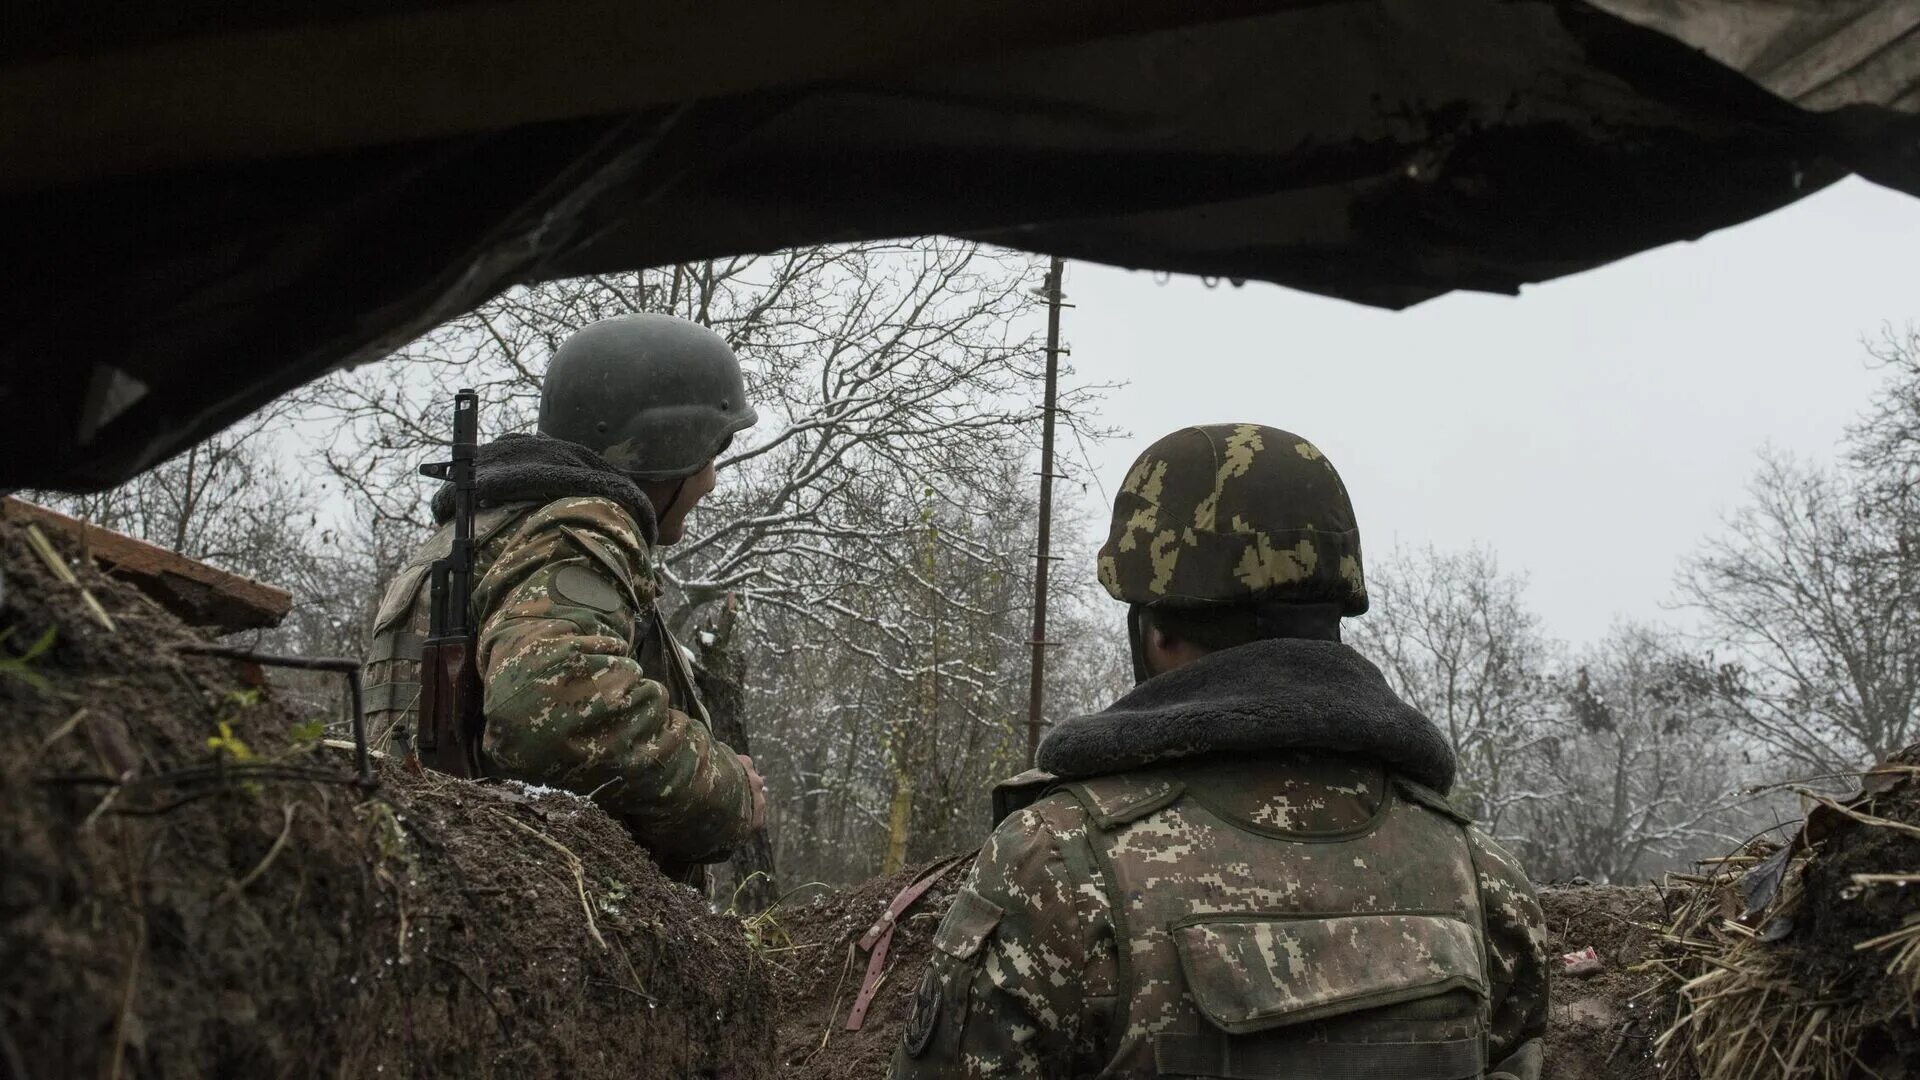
(1022,973)
(1517,961)
(568,705)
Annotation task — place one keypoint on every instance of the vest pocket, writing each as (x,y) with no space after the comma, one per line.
(967,926)
(1254,974)
(399,598)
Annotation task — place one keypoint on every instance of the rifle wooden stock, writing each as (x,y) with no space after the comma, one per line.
(450,692)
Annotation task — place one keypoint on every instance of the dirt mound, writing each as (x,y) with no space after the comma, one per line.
(1807,955)
(194,886)
(823,968)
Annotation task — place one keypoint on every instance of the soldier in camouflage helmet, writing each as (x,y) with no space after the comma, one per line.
(584,687)
(1247,866)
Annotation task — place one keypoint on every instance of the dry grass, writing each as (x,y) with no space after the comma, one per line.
(1758,994)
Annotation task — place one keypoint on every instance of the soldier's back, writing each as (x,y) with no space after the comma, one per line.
(1293,913)
(1289,913)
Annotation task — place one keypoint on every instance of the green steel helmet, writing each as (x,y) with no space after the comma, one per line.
(655,395)
(1233,514)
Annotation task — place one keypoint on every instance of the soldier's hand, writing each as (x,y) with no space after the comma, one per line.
(759,787)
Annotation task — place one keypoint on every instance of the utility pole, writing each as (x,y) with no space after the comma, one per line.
(1037,689)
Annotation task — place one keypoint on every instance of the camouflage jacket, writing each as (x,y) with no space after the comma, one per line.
(584,688)
(1210,909)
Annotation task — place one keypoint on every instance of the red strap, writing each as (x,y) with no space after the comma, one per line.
(880,935)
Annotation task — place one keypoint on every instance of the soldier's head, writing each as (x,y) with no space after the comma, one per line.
(1227,534)
(659,397)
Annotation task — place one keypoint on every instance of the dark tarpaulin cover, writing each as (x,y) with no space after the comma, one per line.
(1382,152)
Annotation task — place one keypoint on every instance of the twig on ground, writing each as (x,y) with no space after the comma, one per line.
(1859,816)
(193,774)
(639,984)
(100,808)
(573,862)
(622,987)
(833,1009)
(64,729)
(286,830)
(126,998)
(44,548)
(506,1028)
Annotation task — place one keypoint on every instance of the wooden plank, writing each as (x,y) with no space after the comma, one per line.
(199,594)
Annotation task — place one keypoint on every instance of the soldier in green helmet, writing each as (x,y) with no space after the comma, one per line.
(584,687)
(1247,866)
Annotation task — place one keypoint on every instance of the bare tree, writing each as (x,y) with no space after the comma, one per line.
(236,502)
(1813,593)
(888,726)
(1885,445)
(1454,636)
(1642,762)
(223,502)
(901,365)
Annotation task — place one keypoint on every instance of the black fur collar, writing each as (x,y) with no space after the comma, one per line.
(1279,694)
(534,468)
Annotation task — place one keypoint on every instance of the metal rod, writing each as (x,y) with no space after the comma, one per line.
(360,755)
(1037,687)
(345,665)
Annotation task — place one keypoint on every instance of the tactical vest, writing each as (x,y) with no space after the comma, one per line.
(1250,951)
(400,628)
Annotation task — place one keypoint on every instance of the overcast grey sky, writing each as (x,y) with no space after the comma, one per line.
(1593,429)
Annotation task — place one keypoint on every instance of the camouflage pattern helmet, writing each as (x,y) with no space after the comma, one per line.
(655,395)
(1233,514)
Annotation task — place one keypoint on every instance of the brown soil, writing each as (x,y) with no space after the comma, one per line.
(167,909)
(1604,1024)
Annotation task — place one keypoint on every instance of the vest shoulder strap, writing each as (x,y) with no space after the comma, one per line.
(1113,801)
(1431,799)
(487,524)
(679,670)
(1016,793)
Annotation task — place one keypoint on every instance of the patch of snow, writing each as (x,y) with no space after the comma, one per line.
(537,790)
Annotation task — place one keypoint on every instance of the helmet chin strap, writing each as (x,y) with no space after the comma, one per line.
(678,490)
(1137,643)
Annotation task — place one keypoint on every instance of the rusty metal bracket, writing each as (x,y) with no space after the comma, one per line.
(879,936)
(345,665)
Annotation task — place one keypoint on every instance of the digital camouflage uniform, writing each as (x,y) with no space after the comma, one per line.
(584,688)
(1245,867)
(1275,897)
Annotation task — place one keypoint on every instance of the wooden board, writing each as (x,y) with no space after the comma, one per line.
(199,594)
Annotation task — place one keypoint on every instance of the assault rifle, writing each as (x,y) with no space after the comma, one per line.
(451,720)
